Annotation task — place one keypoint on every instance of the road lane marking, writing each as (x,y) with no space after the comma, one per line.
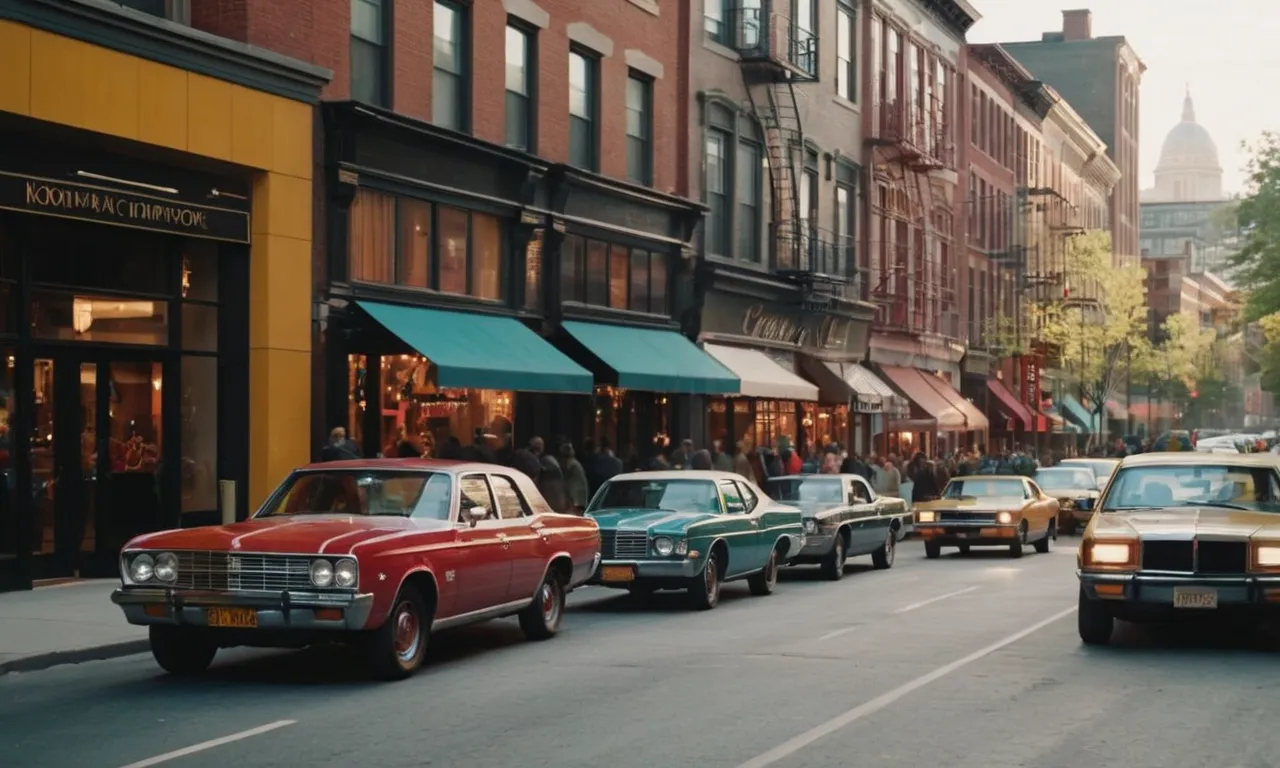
(933,600)
(204,745)
(791,746)
(837,633)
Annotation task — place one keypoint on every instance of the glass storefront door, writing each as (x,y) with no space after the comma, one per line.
(95,458)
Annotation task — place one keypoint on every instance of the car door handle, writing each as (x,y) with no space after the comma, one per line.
(502,537)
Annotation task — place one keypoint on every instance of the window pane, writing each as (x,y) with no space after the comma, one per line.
(638,160)
(93,257)
(581,143)
(199,270)
(446,101)
(639,281)
(517,119)
(572,266)
(69,317)
(366,20)
(658,283)
(637,108)
(413,245)
(533,272)
(486,256)
(748,220)
(367,72)
(447,26)
(517,61)
(370,234)
(717,183)
(597,273)
(199,327)
(451,249)
(619,264)
(199,434)
(580,86)
(842,211)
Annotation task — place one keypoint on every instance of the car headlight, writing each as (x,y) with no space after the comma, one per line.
(345,573)
(1110,553)
(664,546)
(166,567)
(1004,518)
(321,573)
(1267,556)
(926,516)
(810,526)
(142,568)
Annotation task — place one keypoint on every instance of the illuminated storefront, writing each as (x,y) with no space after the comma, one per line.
(143,200)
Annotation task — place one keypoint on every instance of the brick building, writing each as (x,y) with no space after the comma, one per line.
(500,177)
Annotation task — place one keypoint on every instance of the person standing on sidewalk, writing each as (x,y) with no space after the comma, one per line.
(339,448)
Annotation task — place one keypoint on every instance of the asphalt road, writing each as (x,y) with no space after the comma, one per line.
(957,662)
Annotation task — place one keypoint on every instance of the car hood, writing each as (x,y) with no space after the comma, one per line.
(1187,522)
(303,534)
(647,519)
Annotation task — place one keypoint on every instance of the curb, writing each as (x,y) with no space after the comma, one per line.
(42,661)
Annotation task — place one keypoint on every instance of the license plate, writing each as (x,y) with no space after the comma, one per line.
(964,534)
(617,573)
(234,618)
(1188,597)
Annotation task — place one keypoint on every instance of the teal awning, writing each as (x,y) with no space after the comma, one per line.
(654,360)
(1073,410)
(473,351)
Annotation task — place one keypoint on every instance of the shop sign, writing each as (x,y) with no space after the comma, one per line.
(1031,393)
(727,315)
(103,205)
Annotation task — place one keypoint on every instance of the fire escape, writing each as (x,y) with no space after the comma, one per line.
(776,55)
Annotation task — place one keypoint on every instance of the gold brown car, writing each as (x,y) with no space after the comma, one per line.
(1075,488)
(1179,535)
(988,511)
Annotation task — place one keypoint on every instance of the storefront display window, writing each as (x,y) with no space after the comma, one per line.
(636,424)
(775,419)
(826,424)
(605,275)
(417,244)
(65,316)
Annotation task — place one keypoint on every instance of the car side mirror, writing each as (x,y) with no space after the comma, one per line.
(473,515)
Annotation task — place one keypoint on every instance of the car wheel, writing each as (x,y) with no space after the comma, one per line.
(1042,545)
(182,651)
(833,562)
(541,618)
(763,582)
(1015,549)
(704,592)
(932,550)
(883,557)
(396,649)
(1094,621)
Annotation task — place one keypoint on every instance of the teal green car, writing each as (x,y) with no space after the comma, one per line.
(692,530)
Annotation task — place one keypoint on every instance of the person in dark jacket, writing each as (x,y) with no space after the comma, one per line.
(551,483)
(700,460)
(339,448)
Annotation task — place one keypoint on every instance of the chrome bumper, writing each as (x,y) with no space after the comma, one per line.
(1157,590)
(817,544)
(276,610)
(650,569)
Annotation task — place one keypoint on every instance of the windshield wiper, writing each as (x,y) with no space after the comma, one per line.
(1215,504)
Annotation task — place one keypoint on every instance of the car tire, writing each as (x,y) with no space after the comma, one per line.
(1042,545)
(182,651)
(1094,622)
(540,620)
(395,650)
(932,550)
(883,557)
(833,561)
(764,582)
(704,592)
(1015,549)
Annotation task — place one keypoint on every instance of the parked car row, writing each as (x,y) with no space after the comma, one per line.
(381,553)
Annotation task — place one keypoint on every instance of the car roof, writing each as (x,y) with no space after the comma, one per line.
(409,465)
(681,474)
(1061,468)
(1189,458)
(990,477)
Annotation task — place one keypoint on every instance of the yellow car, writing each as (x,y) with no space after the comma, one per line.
(988,511)
(1076,490)
(1179,535)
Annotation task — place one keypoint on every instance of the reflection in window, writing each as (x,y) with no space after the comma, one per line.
(573,269)
(582,111)
(199,327)
(619,266)
(451,245)
(639,279)
(449,75)
(519,115)
(199,433)
(413,246)
(614,276)
(199,270)
(486,256)
(69,317)
(597,273)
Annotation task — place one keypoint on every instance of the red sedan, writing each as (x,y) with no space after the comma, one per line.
(378,553)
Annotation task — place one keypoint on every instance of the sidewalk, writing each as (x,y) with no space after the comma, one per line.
(64,624)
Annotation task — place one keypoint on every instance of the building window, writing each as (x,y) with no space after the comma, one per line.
(370,24)
(846,220)
(583,93)
(846,60)
(615,276)
(416,244)
(748,197)
(449,76)
(713,20)
(718,193)
(639,129)
(520,69)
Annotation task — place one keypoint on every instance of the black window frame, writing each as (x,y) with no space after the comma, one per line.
(464,75)
(383,79)
(717,29)
(592,61)
(643,145)
(530,34)
(575,281)
(722,243)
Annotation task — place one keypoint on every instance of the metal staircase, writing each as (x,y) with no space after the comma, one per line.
(784,142)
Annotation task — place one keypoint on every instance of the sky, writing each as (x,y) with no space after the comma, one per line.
(1227,51)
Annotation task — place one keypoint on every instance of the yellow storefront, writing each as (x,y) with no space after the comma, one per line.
(85,122)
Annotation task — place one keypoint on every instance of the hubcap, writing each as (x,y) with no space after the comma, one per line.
(550,605)
(890,546)
(408,635)
(711,576)
(771,574)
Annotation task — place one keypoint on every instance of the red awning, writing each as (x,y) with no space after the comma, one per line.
(912,383)
(1009,405)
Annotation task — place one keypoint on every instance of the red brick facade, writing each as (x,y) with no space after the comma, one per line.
(318,31)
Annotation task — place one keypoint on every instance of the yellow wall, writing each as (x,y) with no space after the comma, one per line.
(77,84)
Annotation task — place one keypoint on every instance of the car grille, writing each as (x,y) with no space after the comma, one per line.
(1218,557)
(623,545)
(222,571)
(967,517)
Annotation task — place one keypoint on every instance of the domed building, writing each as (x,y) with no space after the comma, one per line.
(1188,170)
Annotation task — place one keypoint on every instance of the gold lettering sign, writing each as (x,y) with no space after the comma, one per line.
(829,332)
(75,200)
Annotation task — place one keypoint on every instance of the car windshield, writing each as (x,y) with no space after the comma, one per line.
(675,495)
(363,492)
(977,488)
(1065,479)
(1190,485)
(820,490)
